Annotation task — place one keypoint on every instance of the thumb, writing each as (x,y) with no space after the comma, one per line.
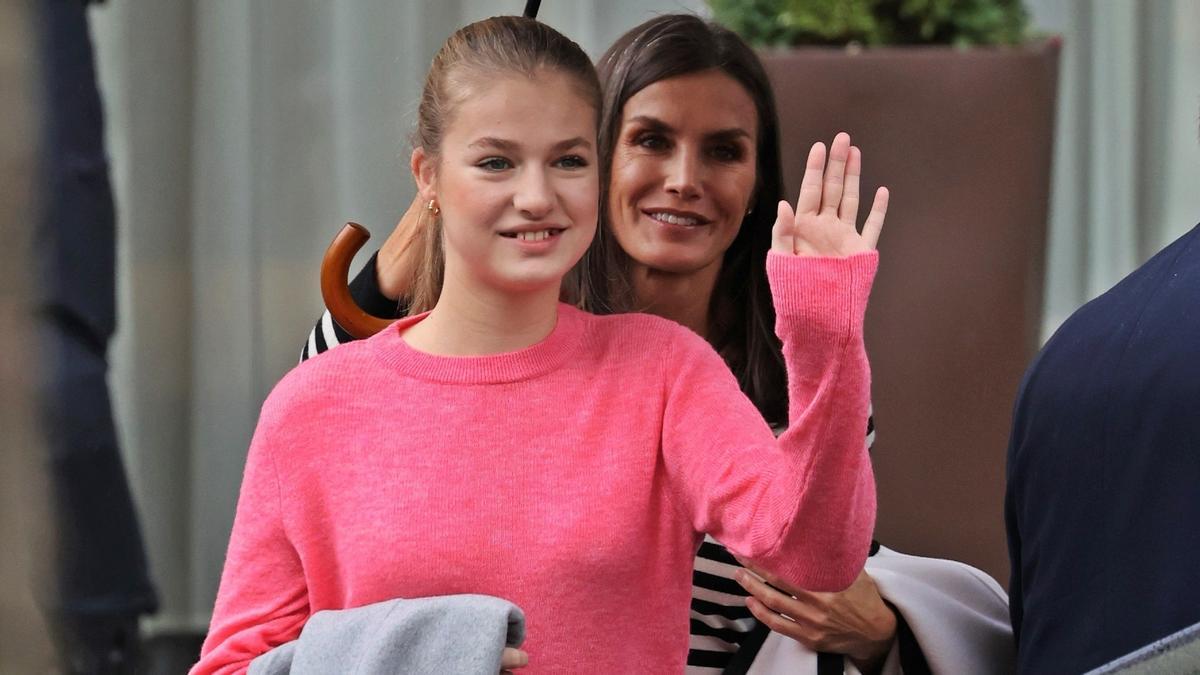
(783,233)
(513,658)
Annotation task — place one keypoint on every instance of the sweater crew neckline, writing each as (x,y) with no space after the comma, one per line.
(533,361)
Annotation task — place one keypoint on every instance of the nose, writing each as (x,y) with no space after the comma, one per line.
(534,197)
(683,175)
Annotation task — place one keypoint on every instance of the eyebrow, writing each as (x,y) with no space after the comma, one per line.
(655,124)
(512,146)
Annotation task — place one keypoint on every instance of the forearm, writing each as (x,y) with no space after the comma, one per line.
(820,304)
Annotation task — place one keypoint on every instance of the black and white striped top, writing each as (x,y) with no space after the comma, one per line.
(720,620)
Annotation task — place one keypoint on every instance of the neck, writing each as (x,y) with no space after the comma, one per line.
(683,298)
(470,321)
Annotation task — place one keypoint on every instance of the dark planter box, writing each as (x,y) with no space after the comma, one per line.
(963,139)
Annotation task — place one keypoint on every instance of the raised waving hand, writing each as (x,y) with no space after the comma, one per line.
(823,222)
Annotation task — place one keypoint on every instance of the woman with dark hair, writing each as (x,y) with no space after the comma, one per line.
(658,65)
(690,179)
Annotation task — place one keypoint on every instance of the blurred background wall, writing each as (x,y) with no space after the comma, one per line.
(1127,160)
(243,135)
(24,644)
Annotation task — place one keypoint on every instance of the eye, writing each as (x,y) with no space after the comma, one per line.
(726,152)
(651,141)
(494,164)
(571,162)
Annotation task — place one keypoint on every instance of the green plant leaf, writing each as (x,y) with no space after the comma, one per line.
(874,22)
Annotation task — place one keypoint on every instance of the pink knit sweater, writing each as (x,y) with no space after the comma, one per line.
(573,478)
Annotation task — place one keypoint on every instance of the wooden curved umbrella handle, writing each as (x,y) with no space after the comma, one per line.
(335,269)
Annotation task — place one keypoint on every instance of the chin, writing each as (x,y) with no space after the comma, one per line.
(675,261)
(531,281)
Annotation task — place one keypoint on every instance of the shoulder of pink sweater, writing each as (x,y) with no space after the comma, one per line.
(627,322)
(317,381)
(645,333)
(654,347)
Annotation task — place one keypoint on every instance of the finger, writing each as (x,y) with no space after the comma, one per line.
(774,600)
(809,201)
(835,173)
(783,233)
(767,577)
(874,224)
(848,211)
(513,658)
(803,597)
(776,622)
(810,598)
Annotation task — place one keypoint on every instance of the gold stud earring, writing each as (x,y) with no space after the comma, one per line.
(432,208)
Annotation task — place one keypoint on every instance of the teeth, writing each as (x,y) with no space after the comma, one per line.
(673,219)
(534,236)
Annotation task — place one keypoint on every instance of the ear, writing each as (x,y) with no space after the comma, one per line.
(424,171)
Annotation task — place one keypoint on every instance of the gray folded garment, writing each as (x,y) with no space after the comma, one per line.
(448,634)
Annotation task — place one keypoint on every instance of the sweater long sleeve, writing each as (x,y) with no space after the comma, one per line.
(264,595)
(802,506)
(574,478)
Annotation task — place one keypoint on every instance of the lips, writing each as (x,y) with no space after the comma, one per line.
(534,235)
(680,218)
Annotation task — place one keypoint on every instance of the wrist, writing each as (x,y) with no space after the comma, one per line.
(872,654)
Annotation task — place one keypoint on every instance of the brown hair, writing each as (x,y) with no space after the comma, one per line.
(742,316)
(495,46)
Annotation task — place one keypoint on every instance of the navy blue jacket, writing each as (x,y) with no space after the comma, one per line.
(1103,494)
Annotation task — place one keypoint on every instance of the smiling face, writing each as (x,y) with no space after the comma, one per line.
(683,171)
(516,182)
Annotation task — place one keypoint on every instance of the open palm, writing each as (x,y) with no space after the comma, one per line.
(823,223)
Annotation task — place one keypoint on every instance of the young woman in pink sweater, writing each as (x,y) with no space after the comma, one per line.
(508,444)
